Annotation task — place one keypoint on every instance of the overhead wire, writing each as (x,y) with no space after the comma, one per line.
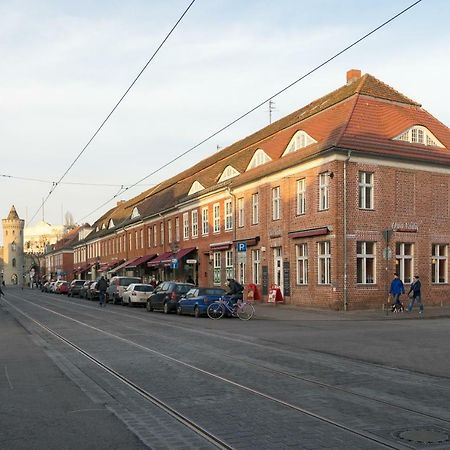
(113,110)
(259,105)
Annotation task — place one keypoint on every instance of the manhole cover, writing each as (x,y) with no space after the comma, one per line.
(424,436)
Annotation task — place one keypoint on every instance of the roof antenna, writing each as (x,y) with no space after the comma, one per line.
(271,108)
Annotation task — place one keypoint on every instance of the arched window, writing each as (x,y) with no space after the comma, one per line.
(419,135)
(229,172)
(13,246)
(14,262)
(299,140)
(259,157)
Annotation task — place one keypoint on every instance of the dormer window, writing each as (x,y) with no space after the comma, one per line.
(196,187)
(111,224)
(259,158)
(103,226)
(229,172)
(419,135)
(135,213)
(298,141)
(96,229)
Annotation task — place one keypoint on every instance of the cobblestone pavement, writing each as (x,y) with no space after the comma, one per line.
(288,379)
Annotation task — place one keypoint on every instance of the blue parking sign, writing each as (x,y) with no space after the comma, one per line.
(241,246)
(174,263)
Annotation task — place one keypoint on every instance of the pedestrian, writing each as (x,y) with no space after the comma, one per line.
(397,289)
(101,287)
(416,296)
(190,280)
(2,294)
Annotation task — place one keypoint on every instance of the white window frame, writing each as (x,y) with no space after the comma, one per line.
(185,226)
(161,233)
(194,223)
(403,260)
(241,270)
(217,266)
(216,218)
(205,221)
(259,158)
(324,263)
(229,266)
(228,207)
(324,191)
(439,259)
(256,266)
(177,229)
(169,231)
(366,190)
(301,251)
(276,203)
(255,208)
(241,211)
(155,236)
(141,232)
(301,196)
(364,255)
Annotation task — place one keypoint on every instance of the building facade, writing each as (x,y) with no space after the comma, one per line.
(326,203)
(12,268)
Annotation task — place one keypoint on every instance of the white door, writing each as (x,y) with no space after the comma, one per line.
(278,267)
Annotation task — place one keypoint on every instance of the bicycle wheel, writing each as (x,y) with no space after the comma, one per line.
(245,311)
(215,310)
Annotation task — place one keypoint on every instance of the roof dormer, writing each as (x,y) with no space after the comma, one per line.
(111,224)
(196,187)
(300,140)
(135,213)
(259,158)
(103,226)
(229,172)
(419,134)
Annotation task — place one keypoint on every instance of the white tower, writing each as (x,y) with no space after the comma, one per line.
(13,258)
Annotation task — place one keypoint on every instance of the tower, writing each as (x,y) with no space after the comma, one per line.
(13,258)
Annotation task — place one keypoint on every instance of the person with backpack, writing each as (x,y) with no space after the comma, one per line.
(416,297)
(102,285)
(397,289)
(235,290)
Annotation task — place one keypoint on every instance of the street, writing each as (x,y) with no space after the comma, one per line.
(77,376)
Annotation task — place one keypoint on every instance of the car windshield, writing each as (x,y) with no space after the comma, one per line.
(212,291)
(79,282)
(183,288)
(143,288)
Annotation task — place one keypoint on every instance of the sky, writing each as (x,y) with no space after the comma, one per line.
(64,65)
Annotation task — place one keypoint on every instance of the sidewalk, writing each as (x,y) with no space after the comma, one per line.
(270,311)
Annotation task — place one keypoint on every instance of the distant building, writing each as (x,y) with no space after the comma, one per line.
(11,254)
(38,236)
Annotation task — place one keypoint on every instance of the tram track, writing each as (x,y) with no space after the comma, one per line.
(266,396)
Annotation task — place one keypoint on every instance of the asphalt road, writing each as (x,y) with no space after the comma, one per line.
(74,375)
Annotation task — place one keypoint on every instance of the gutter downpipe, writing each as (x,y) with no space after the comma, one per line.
(234,231)
(345,231)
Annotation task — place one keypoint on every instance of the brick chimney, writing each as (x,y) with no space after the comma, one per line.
(120,202)
(352,75)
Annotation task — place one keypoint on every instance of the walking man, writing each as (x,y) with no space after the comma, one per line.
(416,296)
(102,286)
(2,294)
(397,289)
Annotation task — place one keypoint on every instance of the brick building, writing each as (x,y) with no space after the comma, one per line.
(326,203)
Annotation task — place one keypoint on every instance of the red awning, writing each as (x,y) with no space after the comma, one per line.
(84,267)
(220,246)
(183,252)
(160,259)
(141,260)
(309,233)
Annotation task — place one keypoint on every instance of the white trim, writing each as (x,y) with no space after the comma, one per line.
(196,187)
(418,134)
(228,172)
(299,140)
(259,158)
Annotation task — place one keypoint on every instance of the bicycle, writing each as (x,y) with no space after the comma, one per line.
(241,309)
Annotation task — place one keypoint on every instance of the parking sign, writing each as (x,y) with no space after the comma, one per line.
(241,246)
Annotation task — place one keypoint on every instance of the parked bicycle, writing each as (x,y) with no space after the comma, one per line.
(241,309)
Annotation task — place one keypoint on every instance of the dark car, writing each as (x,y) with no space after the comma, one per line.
(85,288)
(75,287)
(197,300)
(166,296)
(92,292)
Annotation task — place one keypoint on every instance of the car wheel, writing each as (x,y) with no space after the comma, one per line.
(166,308)
(69,295)
(149,306)
(114,300)
(179,311)
(123,302)
(196,312)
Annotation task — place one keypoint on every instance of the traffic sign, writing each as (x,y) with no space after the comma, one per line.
(174,263)
(241,246)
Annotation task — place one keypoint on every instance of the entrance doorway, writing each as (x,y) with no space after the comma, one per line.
(278,268)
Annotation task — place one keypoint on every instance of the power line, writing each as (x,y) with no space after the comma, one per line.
(112,111)
(77,183)
(256,107)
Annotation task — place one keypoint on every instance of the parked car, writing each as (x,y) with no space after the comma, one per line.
(197,300)
(45,286)
(166,296)
(117,286)
(85,288)
(50,286)
(62,287)
(75,287)
(92,293)
(55,286)
(136,294)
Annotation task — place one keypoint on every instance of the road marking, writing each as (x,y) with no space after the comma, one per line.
(7,377)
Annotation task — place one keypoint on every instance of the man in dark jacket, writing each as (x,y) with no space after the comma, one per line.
(101,287)
(235,290)
(397,289)
(416,297)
